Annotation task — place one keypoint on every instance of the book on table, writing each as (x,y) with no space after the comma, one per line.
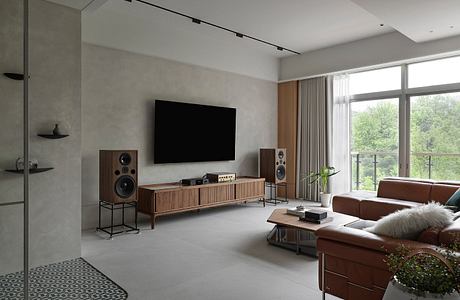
(322,221)
(296,212)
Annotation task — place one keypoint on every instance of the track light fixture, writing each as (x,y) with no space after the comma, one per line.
(199,21)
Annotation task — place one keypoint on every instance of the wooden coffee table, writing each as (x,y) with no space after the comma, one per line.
(293,234)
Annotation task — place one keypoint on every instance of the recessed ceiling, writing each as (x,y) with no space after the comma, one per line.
(301,25)
(77,4)
(419,20)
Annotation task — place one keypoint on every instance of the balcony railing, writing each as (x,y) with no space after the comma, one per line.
(367,164)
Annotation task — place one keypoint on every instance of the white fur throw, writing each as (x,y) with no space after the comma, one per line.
(408,223)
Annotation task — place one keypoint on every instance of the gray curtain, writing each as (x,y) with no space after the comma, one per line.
(313,133)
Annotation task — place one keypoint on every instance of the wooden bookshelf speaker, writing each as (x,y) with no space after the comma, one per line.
(118,176)
(272,165)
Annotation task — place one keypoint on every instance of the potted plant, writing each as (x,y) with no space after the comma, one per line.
(424,274)
(323,178)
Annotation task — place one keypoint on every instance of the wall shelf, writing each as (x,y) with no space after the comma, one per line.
(14,76)
(53,136)
(11,203)
(31,171)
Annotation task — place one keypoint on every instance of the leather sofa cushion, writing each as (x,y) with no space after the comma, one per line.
(442,192)
(375,208)
(451,233)
(349,203)
(430,236)
(405,190)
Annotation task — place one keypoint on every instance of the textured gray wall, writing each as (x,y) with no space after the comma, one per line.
(118,92)
(55,97)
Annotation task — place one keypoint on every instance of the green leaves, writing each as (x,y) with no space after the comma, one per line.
(425,273)
(322,176)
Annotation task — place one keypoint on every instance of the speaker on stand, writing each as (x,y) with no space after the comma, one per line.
(272,167)
(118,187)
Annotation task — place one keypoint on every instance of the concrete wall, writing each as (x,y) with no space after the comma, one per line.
(55,87)
(378,50)
(118,93)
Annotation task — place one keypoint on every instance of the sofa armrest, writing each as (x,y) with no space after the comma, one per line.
(364,239)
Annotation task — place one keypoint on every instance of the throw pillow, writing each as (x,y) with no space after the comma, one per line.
(410,222)
(454,200)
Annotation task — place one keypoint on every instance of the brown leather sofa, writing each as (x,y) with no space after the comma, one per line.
(354,258)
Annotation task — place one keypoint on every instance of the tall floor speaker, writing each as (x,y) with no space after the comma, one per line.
(118,176)
(272,165)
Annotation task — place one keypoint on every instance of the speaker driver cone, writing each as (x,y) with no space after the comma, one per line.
(280,172)
(125,186)
(125,159)
(280,154)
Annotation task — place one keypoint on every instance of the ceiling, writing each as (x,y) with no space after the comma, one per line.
(419,20)
(301,25)
(77,4)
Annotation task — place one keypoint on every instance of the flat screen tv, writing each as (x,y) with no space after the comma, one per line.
(186,132)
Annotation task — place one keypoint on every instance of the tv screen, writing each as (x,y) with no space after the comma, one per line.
(186,132)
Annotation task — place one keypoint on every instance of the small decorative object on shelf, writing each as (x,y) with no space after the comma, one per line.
(57,134)
(33,167)
(56,130)
(33,164)
(14,76)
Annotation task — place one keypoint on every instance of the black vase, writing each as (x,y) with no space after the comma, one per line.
(56,130)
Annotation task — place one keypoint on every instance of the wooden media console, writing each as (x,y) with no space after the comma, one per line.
(170,198)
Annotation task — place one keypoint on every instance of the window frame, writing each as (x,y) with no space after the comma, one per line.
(404,95)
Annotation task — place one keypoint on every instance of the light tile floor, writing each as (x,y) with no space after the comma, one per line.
(219,253)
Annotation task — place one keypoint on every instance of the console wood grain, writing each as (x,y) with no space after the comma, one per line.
(170,198)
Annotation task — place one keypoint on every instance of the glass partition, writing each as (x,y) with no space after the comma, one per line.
(12,178)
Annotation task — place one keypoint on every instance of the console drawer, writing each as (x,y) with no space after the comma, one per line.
(216,194)
(172,200)
(250,189)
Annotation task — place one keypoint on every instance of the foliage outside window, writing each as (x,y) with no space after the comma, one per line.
(429,128)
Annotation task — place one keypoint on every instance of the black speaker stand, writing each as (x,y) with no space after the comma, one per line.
(276,200)
(116,206)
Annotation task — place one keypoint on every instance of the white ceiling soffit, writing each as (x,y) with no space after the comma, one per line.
(300,25)
(77,4)
(419,20)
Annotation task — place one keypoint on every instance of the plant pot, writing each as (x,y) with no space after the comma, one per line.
(398,291)
(325,200)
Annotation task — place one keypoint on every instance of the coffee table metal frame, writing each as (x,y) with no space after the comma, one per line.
(305,246)
(305,239)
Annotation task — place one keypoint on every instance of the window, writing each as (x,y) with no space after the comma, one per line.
(442,71)
(375,81)
(411,130)
(374,142)
(435,136)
